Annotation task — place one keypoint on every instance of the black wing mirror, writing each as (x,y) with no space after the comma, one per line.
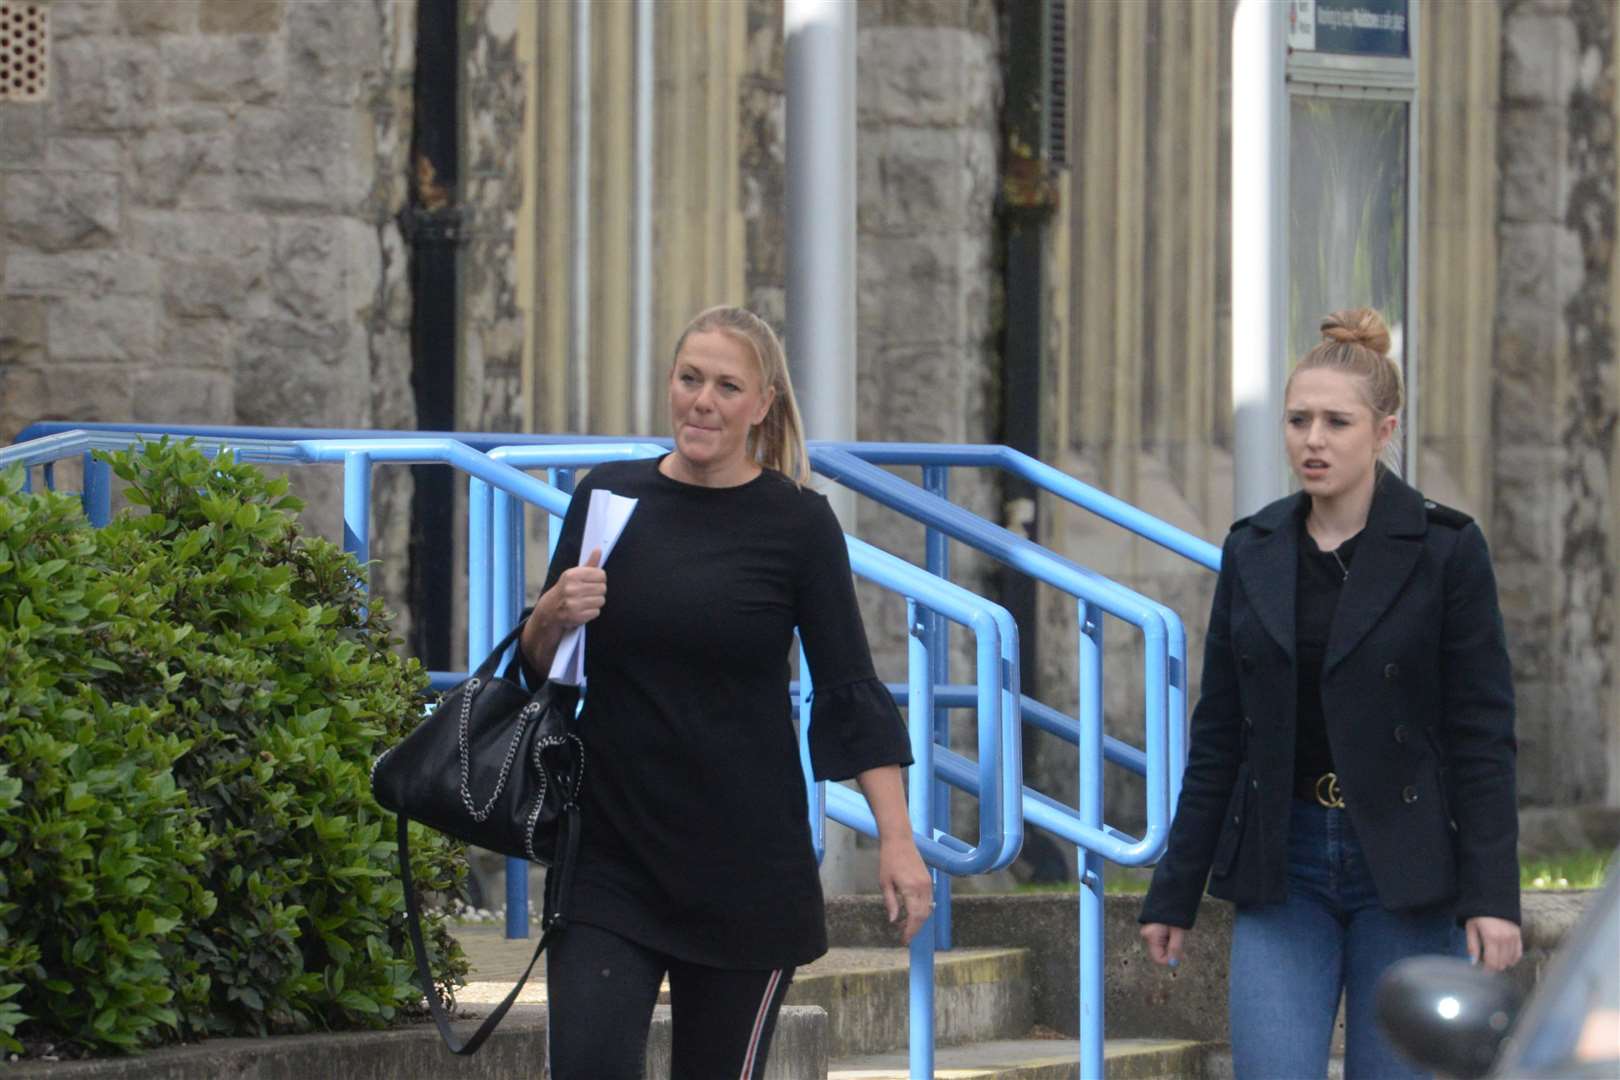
(1446,1014)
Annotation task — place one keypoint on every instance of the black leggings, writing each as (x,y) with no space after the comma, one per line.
(602,990)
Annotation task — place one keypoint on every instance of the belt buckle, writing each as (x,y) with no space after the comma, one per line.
(1333,796)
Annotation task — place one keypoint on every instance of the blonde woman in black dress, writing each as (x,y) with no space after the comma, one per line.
(696,858)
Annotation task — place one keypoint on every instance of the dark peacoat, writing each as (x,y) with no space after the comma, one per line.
(1418,699)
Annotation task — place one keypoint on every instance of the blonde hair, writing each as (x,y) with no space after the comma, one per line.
(777,442)
(1356,342)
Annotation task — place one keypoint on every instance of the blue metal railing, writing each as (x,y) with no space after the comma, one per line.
(996,774)
(495,553)
(927,691)
(1163,637)
(1164,640)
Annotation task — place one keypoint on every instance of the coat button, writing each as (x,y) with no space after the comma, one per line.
(1392,671)
(1248,722)
(1255,784)
(1400,733)
(1409,794)
(1247,661)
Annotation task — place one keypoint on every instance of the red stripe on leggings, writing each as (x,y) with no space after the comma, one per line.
(759,1025)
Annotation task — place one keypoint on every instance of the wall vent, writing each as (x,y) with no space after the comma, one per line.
(24,48)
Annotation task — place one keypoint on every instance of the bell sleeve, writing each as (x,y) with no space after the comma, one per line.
(854,724)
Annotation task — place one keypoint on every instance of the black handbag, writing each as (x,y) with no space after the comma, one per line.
(498,766)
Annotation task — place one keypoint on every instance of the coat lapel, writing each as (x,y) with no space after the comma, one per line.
(1268,567)
(1385,555)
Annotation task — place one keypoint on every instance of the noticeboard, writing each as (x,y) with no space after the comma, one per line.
(1350,27)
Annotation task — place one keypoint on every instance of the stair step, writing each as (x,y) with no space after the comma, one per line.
(798,1048)
(1038,1059)
(1218,1065)
(979,993)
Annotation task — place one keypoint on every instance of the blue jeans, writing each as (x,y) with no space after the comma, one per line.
(1290,961)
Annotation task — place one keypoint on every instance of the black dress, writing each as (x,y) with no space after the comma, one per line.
(695,838)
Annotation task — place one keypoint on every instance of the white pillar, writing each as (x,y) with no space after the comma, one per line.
(820,61)
(579,306)
(1259,252)
(641,349)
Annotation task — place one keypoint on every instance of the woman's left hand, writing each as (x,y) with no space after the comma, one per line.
(1493,943)
(906,883)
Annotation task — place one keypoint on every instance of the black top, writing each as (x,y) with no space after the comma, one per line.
(696,839)
(1321,580)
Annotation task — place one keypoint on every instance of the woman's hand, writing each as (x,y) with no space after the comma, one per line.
(906,883)
(1495,944)
(573,600)
(578,595)
(1163,942)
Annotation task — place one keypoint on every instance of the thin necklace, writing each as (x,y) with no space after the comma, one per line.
(1343,569)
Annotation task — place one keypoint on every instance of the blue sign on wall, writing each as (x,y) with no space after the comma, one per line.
(1352,27)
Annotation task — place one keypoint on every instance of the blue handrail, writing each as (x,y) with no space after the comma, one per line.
(995,696)
(1163,636)
(1164,642)
(1044,476)
(928,692)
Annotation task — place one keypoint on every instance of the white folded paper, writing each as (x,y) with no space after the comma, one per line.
(605,519)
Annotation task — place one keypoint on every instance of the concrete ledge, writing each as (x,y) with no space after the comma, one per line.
(979,994)
(517,1051)
(1142,1000)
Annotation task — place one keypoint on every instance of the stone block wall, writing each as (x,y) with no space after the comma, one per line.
(490,384)
(198,225)
(928,278)
(1555,401)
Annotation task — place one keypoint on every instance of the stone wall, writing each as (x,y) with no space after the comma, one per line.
(1555,397)
(494,104)
(928,278)
(197,225)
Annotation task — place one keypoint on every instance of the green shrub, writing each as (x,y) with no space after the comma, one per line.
(190,702)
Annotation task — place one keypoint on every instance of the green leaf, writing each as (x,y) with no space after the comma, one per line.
(359,1002)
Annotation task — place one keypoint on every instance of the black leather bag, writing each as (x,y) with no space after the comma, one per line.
(498,766)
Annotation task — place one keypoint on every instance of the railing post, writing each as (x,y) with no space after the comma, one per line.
(357,504)
(480,511)
(1090,864)
(815,793)
(506,535)
(97,497)
(936,479)
(920,711)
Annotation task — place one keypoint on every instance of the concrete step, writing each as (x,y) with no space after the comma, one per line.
(1218,1065)
(979,993)
(1039,1059)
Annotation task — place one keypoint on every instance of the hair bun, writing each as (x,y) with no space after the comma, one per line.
(1357,326)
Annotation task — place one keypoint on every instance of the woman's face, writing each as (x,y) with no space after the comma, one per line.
(1333,441)
(716,396)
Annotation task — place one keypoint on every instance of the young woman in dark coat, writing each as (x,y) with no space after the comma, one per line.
(1350,781)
